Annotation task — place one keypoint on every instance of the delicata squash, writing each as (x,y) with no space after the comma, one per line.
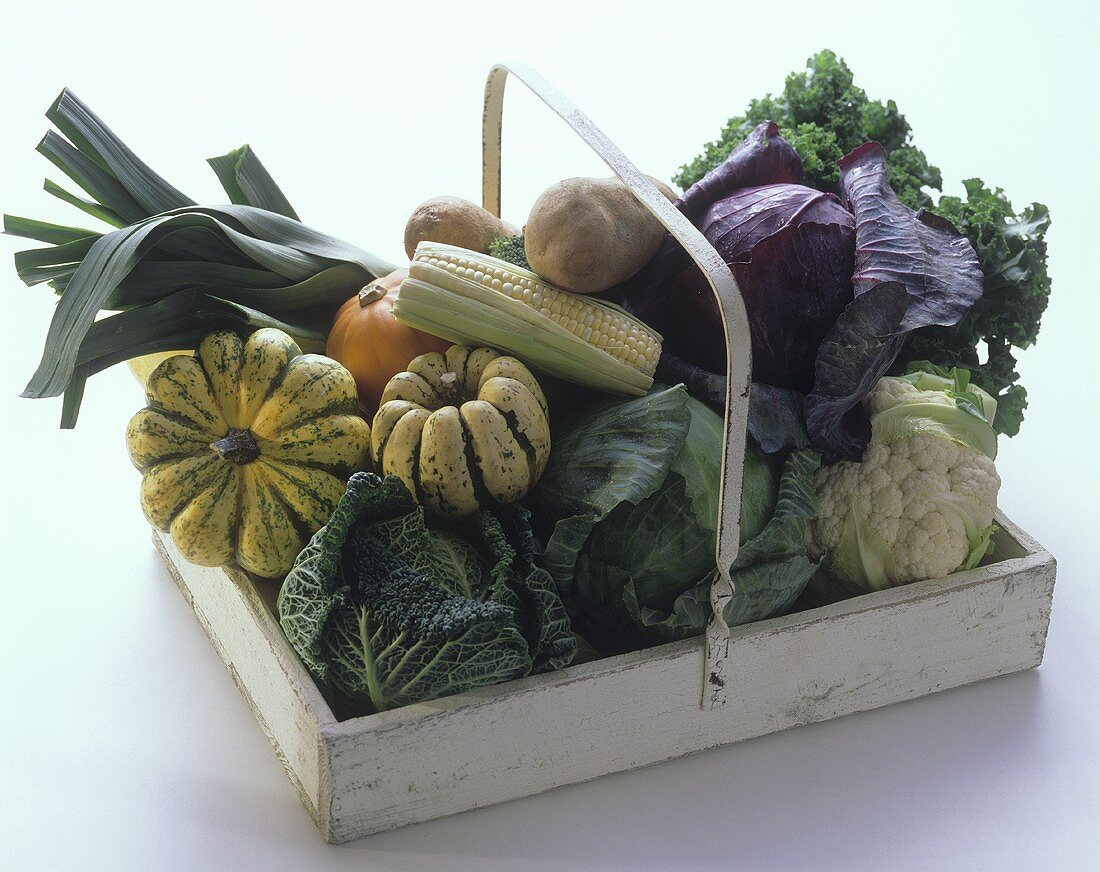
(245,448)
(463,430)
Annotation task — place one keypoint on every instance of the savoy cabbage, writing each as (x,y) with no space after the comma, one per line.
(386,608)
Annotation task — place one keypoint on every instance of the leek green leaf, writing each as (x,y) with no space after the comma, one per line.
(113,256)
(92,208)
(100,145)
(91,177)
(43,231)
(248,183)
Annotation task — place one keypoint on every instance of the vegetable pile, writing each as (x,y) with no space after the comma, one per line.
(511,447)
(824,115)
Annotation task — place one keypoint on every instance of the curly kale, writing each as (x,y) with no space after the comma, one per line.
(824,115)
(510,248)
(1012,253)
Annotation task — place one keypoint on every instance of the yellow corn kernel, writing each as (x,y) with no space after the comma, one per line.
(623,337)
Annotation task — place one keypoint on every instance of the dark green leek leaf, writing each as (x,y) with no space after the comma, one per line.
(90,176)
(335,284)
(176,322)
(172,270)
(43,231)
(74,395)
(67,253)
(248,183)
(111,193)
(93,209)
(118,334)
(113,256)
(152,280)
(36,275)
(95,140)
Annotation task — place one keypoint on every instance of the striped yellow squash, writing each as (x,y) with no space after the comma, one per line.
(245,448)
(463,430)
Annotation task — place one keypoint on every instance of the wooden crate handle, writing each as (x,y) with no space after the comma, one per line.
(734,322)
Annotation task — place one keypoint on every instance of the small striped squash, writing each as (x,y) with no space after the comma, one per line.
(463,430)
(245,449)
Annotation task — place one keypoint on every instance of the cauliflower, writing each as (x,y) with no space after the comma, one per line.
(921,503)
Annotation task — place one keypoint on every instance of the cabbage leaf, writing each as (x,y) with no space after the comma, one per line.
(633,553)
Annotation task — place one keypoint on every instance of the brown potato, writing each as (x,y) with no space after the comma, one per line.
(454,221)
(585,235)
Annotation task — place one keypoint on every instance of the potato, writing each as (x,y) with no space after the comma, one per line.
(454,221)
(585,235)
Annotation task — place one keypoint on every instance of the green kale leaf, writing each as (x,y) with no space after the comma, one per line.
(824,115)
(1012,252)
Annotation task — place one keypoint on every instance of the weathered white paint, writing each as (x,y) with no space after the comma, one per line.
(432,759)
(731,307)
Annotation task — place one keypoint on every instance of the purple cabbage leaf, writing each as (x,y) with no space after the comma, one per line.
(763,158)
(790,248)
(912,270)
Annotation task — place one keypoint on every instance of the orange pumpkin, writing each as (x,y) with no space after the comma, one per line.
(371,344)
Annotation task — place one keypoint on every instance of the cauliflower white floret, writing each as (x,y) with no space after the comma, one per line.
(887,393)
(914,508)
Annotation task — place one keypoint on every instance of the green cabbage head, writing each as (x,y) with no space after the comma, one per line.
(629,503)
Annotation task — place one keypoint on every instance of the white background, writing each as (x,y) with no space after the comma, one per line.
(124,743)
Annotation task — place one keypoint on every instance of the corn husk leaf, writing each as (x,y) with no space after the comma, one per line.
(480,317)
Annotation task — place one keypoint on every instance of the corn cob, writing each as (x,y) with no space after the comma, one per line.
(472,298)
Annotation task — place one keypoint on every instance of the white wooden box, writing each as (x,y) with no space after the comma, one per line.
(424,761)
(361,775)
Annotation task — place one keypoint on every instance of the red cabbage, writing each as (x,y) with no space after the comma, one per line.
(831,288)
(792,251)
(912,269)
(763,158)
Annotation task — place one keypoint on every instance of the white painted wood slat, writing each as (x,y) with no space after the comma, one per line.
(424,761)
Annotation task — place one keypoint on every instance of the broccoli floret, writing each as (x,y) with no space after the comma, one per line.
(510,248)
